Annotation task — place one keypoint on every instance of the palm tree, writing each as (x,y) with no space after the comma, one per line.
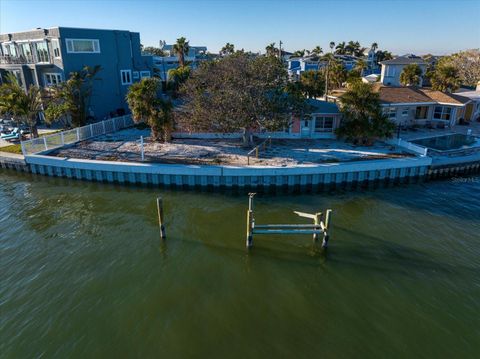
(337,74)
(180,48)
(143,101)
(317,50)
(383,55)
(25,106)
(411,75)
(360,66)
(71,98)
(299,53)
(178,76)
(271,49)
(363,120)
(228,49)
(445,78)
(374,46)
(340,48)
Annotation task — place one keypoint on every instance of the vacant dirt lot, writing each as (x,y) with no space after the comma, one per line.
(125,146)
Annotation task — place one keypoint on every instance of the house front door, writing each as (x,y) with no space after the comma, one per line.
(305,128)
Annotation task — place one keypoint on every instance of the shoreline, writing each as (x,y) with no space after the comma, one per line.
(350,175)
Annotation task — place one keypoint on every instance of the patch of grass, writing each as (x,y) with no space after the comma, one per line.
(12,149)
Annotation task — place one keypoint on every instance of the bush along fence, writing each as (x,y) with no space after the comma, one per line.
(60,139)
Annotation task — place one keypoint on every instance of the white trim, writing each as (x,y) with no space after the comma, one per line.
(57,75)
(135,75)
(57,41)
(123,77)
(395,104)
(142,74)
(69,41)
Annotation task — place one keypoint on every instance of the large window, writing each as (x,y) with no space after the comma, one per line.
(126,77)
(442,113)
(9,50)
(144,74)
(323,124)
(391,113)
(53,79)
(26,51)
(82,46)
(41,50)
(56,47)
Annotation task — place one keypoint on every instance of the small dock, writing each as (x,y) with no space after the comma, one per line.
(319,227)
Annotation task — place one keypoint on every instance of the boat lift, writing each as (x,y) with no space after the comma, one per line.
(320,225)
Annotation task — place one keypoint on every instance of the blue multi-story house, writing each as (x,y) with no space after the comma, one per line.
(46,57)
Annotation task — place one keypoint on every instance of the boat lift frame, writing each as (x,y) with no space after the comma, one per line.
(319,226)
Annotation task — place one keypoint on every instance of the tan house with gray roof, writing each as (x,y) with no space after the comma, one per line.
(409,106)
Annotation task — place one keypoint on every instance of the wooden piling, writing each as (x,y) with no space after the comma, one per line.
(328,219)
(161,222)
(316,222)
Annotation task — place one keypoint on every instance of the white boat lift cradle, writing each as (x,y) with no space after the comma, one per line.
(319,226)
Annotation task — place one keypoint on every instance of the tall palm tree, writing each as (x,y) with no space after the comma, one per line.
(180,48)
(271,49)
(374,46)
(317,50)
(340,48)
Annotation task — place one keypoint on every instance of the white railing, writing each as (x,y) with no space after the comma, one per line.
(60,139)
(422,151)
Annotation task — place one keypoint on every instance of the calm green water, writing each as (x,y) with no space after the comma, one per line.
(83,274)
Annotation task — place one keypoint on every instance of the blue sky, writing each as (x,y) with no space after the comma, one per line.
(417,26)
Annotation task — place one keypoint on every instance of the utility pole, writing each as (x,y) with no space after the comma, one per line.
(280,50)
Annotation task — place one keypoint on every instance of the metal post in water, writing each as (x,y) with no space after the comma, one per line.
(250,220)
(45,143)
(141,146)
(160,217)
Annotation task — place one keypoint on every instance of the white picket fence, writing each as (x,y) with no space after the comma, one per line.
(422,151)
(60,139)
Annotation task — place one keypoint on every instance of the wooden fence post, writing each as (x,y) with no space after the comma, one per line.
(316,222)
(328,219)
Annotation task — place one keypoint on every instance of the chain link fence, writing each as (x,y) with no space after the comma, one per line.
(60,139)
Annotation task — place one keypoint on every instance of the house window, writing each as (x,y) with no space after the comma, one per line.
(390,71)
(442,113)
(53,79)
(144,74)
(323,124)
(9,50)
(135,74)
(83,46)
(26,50)
(56,47)
(392,113)
(41,50)
(126,77)
(405,112)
